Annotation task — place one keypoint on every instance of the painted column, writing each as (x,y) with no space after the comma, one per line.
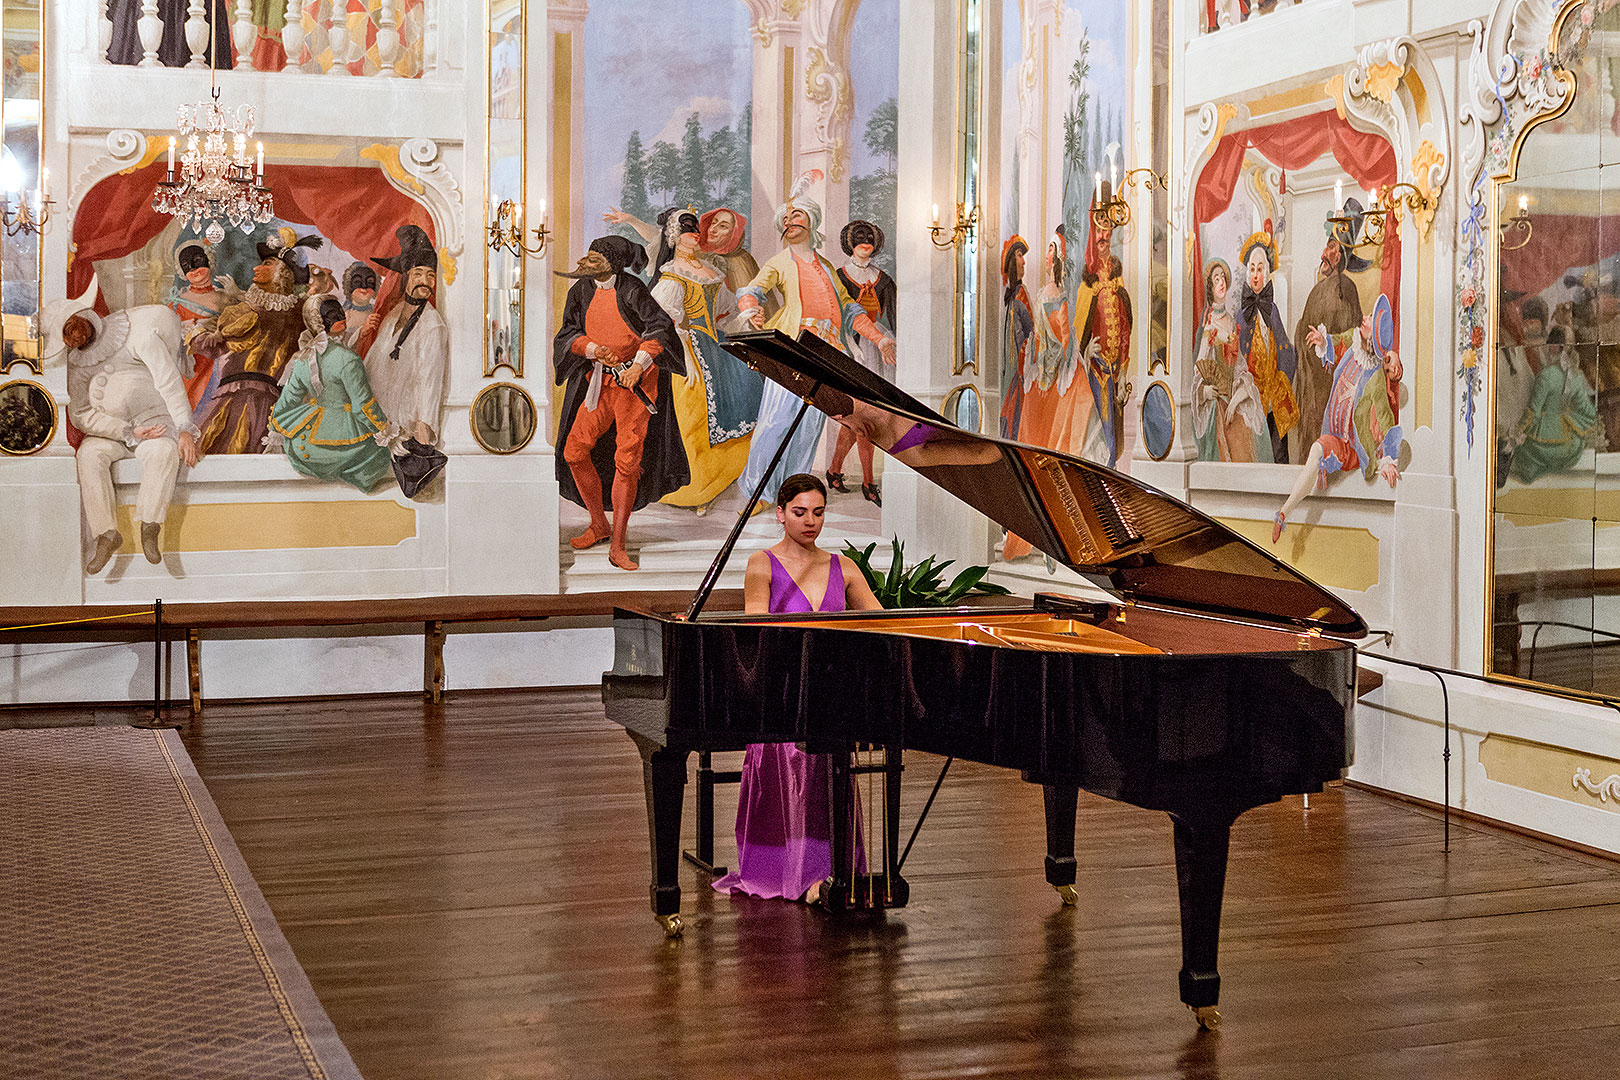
(778,57)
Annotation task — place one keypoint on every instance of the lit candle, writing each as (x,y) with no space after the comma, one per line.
(44,186)
(542,222)
(1096,188)
(1113,174)
(1338,195)
(936,215)
(1524,204)
(171,156)
(261,163)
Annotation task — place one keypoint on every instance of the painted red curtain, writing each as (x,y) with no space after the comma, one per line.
(353,206)
(1294,144)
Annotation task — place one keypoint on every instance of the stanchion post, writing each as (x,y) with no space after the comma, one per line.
(157,662)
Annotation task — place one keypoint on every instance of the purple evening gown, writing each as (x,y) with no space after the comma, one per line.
(784,817)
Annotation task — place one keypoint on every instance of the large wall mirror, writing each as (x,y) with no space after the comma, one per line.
(21,114)
(1555,407)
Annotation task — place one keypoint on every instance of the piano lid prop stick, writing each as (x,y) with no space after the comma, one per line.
(719,564)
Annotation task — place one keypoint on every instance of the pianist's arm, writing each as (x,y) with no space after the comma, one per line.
(857,593)
(757,585)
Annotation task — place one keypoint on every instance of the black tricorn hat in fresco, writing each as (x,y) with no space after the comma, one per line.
(415,249)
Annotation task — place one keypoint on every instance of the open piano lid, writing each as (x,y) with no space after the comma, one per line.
(1130,539)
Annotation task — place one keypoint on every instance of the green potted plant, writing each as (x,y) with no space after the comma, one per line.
(920,586)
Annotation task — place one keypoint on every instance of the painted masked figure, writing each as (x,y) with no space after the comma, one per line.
(198,304)
(1264,343)
(1102,326)
(1333,303)
(126,397)
(256,338)
(717,400)
(1361,425)
(1017,324)
(875,291)
(327,416)
(1560,419)
(815,302)
(1229,420)
(617,350)
(360,300)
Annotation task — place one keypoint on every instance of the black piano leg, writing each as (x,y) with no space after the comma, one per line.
(1062,801)
(1201,878)
(664,776)
(898,892)
(838,893)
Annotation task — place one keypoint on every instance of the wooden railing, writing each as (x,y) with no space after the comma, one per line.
(379,38)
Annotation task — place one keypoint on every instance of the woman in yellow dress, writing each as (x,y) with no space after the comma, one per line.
(717,401)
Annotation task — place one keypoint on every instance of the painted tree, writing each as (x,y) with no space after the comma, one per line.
(874,196)
(1077,179)
(694,184)
(663,172)
(633,191)
(882,135)
(740,190)
(720,154)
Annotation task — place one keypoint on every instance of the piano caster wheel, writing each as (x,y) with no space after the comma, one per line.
(672,926)
(1067,894)
(1208,1017)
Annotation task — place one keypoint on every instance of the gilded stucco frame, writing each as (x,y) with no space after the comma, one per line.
(56,416)
(472,417)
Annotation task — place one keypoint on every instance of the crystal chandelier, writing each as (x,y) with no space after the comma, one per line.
(216,182)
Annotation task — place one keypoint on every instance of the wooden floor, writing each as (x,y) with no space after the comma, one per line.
(467,890)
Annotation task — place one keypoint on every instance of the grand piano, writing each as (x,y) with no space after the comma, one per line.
(1207,680)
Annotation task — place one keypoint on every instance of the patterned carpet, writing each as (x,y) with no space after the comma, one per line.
(135,943)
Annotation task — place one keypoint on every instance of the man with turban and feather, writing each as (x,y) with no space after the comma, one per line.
(814,301)
(617,349)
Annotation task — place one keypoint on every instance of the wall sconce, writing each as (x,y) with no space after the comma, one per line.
(966,222)
(1108,207)
(1519,225)
(509,237)
(23,218)
(1386,205)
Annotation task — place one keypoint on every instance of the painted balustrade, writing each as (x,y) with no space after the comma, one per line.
(1219,14)
(378,38)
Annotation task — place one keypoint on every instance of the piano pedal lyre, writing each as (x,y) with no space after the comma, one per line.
(868,774)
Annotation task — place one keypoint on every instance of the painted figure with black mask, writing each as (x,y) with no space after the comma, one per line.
(717,400)
(255,340)
(616,349)
(875,291)
(327,418)
(360,300)
(198,303)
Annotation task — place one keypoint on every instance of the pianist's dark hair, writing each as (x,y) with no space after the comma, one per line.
(797,485)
